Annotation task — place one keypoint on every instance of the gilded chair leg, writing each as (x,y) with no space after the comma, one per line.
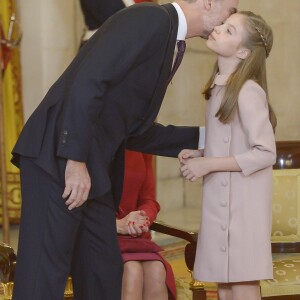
(8,290)
(69,290)
(197,288)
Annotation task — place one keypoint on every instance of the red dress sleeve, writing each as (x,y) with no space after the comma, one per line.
(147,199)
(139,187)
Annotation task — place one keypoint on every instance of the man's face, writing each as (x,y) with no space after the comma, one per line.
(219,12)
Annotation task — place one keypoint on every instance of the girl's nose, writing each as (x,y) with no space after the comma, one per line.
(217,29)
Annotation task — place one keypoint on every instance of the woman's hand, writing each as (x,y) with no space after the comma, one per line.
(134,224)
(195,168)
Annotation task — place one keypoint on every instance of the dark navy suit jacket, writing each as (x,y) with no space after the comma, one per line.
(96,12)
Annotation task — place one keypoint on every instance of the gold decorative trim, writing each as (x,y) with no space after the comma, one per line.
(9,286)
(195,284)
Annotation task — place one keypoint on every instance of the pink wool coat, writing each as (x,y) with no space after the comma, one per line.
(234,240)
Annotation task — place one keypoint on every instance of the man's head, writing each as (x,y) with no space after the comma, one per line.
(203,15)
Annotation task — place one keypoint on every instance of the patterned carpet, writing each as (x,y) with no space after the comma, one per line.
(174,254)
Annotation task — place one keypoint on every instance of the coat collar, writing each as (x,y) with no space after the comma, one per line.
(220,80)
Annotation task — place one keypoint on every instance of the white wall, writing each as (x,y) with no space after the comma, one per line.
(51,31)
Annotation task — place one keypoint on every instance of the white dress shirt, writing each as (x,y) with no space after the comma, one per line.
(182,24)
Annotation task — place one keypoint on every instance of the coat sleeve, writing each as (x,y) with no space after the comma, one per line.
(254,117)
(126,40)
(165,140)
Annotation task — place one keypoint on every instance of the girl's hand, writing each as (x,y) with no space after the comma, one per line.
(185,154)
(195,168)
(134,224)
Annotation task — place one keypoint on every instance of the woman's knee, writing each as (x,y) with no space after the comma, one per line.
(154,277)
(132,282)
(133,272)
(154,269)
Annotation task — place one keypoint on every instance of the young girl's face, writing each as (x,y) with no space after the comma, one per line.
(227,39)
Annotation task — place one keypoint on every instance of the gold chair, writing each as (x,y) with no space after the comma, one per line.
(286,225)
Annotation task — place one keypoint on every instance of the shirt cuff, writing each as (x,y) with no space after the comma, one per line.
(128,2)
(201,144)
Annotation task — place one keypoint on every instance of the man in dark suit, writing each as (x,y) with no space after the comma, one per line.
(71,150)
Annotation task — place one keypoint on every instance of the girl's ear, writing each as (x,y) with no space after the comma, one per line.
(243,53)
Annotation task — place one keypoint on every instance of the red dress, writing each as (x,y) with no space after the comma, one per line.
(139,194)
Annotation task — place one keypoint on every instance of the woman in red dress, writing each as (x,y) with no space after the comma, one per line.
(146,274)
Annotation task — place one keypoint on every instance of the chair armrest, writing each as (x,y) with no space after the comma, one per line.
(189,236)
(8,260)
(285,247)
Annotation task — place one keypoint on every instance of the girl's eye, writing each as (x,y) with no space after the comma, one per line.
(228,30)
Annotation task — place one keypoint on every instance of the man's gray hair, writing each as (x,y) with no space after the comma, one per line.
(190,1)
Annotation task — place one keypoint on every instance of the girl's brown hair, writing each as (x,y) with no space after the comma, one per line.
(259,41)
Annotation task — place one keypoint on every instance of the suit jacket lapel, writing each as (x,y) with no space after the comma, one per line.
(165,71)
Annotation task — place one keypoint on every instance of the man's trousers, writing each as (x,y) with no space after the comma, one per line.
(55,243)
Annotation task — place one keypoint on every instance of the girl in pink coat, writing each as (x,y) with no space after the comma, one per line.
(234,247)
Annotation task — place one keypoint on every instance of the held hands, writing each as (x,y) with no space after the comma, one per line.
(193,165)
(134,224)
(185,154)
(78,184)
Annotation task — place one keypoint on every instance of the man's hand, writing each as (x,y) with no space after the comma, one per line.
(185,154)
(78,184)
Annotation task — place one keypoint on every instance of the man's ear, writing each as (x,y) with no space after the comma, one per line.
(207,4)
(243,53)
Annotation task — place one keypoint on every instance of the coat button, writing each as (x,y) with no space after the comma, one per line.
(223,227)
(226,139)
(223,203)
(224,183)
(223,249)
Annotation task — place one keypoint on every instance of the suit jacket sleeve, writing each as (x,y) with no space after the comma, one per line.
(123,42)
(254,115)
(165,140)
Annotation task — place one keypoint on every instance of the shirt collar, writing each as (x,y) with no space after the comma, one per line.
(220,79)
(182,24)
